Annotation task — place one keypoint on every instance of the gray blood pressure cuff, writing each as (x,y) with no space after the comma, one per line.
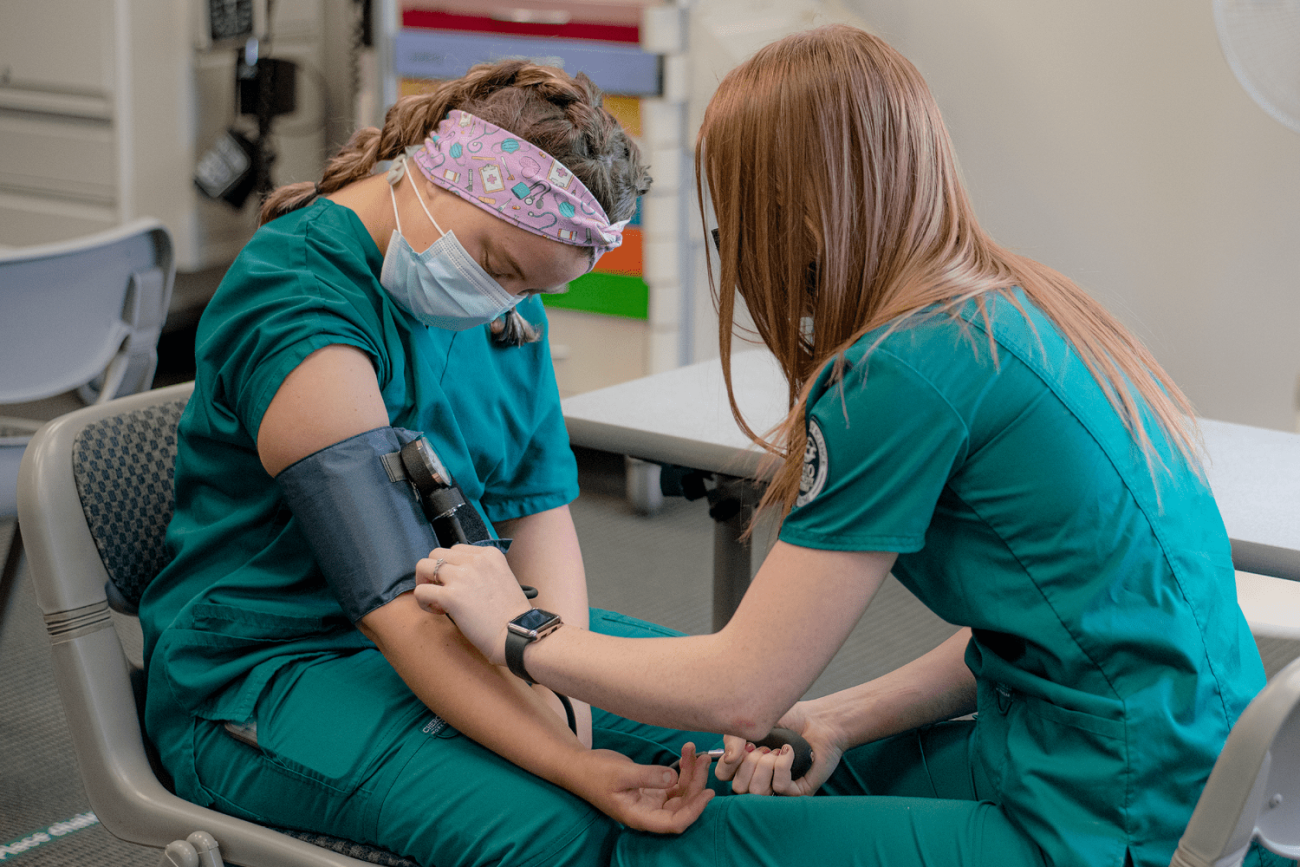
(362,515)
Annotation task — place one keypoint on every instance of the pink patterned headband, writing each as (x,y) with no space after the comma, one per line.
(516,180)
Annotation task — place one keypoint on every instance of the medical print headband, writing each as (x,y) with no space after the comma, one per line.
(518,181)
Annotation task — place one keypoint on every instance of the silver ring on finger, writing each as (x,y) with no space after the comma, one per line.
(436,567)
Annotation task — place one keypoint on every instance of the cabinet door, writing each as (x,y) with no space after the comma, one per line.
(57,47)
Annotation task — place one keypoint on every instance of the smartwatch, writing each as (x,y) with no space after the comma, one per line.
(523,631)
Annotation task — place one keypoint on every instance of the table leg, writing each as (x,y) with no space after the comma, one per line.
(732,558)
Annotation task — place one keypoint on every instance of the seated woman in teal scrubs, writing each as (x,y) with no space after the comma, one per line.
(379,306)
(973,422)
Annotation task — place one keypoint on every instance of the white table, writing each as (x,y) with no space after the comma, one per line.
(682,417)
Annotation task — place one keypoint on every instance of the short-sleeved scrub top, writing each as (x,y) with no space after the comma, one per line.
(243,595)
(1110,654)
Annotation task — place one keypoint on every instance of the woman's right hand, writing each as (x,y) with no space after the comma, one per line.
(475,587)
(760,771)
(645,797)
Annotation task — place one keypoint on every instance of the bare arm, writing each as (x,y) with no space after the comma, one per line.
(933,687)
(334,395)
(795,615)
(545,555)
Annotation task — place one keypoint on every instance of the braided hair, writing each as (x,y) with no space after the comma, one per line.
(559,113)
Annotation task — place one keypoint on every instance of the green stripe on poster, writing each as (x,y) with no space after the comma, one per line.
(610,294)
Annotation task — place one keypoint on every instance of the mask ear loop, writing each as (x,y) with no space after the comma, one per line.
(394,178)
(399,170)
(420,199)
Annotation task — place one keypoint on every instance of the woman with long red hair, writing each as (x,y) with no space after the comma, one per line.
(975,423)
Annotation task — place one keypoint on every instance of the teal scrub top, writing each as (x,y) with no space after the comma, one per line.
(243,595)
(1109,651)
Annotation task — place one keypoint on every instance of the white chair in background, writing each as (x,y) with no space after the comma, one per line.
(1254,790)
(82,314)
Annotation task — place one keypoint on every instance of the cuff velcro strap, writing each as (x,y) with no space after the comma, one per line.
(365,527)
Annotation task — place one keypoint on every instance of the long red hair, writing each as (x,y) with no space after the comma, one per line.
(839,204)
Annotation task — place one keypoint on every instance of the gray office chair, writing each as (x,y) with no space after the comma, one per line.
(94,499)
(83,314)
(1254,790)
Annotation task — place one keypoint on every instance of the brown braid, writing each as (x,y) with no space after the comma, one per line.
(559,113)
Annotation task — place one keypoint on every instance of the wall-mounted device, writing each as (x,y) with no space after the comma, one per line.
(265,88)
(265,85)
(225,171)
(228,23)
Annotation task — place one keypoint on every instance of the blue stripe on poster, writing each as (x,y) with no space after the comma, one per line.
(620,69)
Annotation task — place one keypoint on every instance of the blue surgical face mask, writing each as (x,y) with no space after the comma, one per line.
(442,287)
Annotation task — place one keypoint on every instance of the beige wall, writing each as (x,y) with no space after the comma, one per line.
(1110,140)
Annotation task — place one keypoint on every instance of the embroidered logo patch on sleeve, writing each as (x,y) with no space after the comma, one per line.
(816,465)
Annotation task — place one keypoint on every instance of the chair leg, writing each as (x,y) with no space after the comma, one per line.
(9,575)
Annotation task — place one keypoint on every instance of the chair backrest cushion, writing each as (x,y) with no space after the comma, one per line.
(123,466)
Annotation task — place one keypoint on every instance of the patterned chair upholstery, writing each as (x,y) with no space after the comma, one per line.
(123,466)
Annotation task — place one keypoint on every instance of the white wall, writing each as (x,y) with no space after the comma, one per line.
(1110,140)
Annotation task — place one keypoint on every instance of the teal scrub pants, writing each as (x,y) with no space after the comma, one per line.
(345,749)
(914,800)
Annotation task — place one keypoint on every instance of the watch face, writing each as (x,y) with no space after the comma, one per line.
(534,619)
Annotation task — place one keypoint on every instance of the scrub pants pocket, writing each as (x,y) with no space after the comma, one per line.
(325,727)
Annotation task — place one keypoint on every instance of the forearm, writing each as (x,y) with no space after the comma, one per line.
(799,608)
(673,682)
(482,701)
(936,686)
(545,554)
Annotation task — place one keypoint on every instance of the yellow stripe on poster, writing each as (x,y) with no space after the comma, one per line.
(627,111)
(416,86)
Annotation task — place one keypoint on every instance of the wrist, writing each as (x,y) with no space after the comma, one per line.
(522,632)
(498,654)
(832,718)
(569,767)
(582,774)
(598,776)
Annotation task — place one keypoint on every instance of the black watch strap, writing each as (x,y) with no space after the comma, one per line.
(515,644)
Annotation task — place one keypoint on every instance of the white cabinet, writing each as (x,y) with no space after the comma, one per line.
(106,106)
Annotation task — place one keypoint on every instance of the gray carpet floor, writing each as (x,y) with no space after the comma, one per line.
(656,567)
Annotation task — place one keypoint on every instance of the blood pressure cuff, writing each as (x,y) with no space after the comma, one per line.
(362,518)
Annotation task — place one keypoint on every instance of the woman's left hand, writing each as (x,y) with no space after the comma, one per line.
(647,798)
(475,587)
